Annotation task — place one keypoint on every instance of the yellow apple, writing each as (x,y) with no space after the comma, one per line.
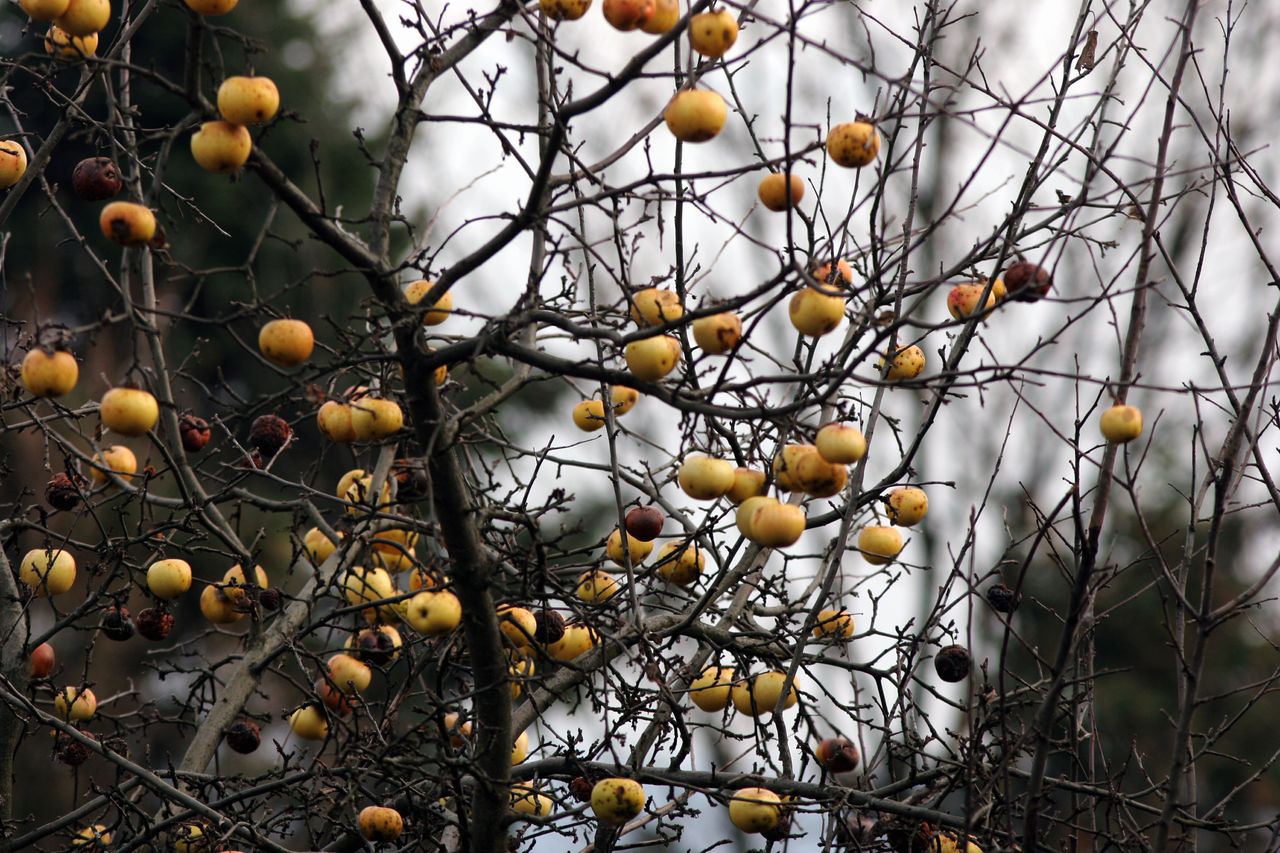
(458,729)
(318,546)
(710,690)
(424,579)
(58,42)
(334,421)
(211,7)
(520,749)
(759,695)
(75,704)
(696,115)
(740,695)
(755,809)
(309,723)
(853,144)
(361,585)
(680,564)
(380,823)
(44,10)
(248,100)
(615,801)
(766,689)
(588,415)
(965,300)
(128,411)
(841,444)
(92,836)
(355,488)
(168,579)
(946,842)
(235,585)
(286,343)
(218,608)
(818,477)
(718,333)
(654,306)
(577,641)
(636,549)
(375,418)
(439,312)
(837,624)
(879,544)
(774,188)
(220,146)
(351,478)
(127,223)
(433,612)
(1121,424)
(394,540)
(747,512)
(49,374)
(528,800)
(597,586)
(840,277)
(564,10)
(47,571)
(521,669)
(776,525)
(13,162)
(517,624)
(907,506)
(650,359)
(623,399)
(84,17)
(747,483)
(351,675)
(189,838)
(705,478)
(786,466)
(814,313)
(907,363)
(713,33)
(666,13)
(117,459)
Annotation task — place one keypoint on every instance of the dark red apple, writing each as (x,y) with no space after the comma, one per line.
(1027,282)
(96,179)
(952,663)
(42,661)
(837,754)
(645,522)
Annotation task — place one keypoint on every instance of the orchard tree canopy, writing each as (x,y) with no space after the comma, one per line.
(634,424)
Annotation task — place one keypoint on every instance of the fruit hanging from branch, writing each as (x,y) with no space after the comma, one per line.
(755,809)
(127,223)
(854,144)
(779,192)
(696,115)
(248,100)
(713,33)
(49,373)
(221,147)
(1120,424)
(616,800)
